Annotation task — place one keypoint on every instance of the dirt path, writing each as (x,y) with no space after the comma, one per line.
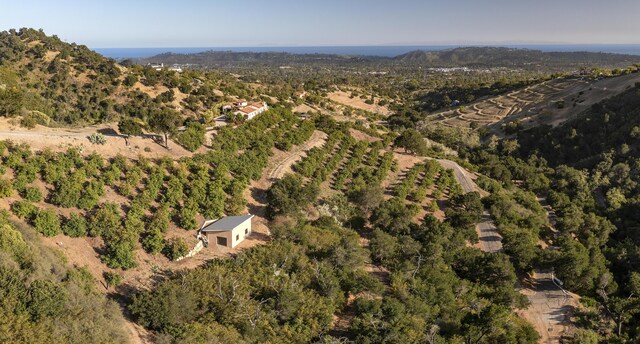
(256,195)
(282,167)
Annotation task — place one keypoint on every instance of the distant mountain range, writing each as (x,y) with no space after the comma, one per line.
(457,57)
(490,56)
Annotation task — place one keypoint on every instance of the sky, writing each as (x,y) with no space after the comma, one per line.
(243,23)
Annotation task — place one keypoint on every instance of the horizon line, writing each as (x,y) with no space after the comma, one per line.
(369,45)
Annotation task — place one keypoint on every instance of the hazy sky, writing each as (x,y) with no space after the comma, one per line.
(200,23)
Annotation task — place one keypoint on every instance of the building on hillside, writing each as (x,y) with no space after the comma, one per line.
(228,231)
(245,109)
(156,66)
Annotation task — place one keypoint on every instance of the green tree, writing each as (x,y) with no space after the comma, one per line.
(165,121)
(129,127)
(193,136)
(187,215)
(75,226)
(6,188)
(288,195)
(153,241)
(412,141)
(105,220)
(47,222)
(369,197)
(113,279)
(11,101)
(176,248)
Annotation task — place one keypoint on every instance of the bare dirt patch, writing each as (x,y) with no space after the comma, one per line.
(151,91)
(551,308)
(358,103)
(303,108)
(60,139)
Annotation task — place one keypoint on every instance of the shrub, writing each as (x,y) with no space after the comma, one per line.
(130,80)
(23,209)
(6,189)
(32,193)
(97,138)
(47,222)
(176,248)
(113,279)
(28,121)
(153,242)
(75,226)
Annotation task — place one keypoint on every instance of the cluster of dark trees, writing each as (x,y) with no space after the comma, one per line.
(585,170)
(593,163)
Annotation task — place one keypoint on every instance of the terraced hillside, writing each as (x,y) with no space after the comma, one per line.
(550,102)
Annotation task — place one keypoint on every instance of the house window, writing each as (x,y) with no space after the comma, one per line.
(222,241)
(237,237)
(246,231)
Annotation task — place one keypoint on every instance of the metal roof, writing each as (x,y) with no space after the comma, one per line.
(226,223)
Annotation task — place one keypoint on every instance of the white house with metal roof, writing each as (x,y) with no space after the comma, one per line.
(228,231)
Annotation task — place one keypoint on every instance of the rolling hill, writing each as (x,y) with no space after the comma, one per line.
(61,84)
(486,57)
(510,57)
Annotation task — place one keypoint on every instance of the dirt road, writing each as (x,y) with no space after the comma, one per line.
(284,164)
(463,177)
(490,240)
(551,307)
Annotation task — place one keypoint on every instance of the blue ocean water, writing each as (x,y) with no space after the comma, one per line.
(384,51)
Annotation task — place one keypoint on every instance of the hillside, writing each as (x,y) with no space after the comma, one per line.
(549,102)
(511,57)
(53,83)
(608,127)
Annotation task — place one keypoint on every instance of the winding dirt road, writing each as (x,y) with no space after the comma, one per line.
(490,239)
(317,139)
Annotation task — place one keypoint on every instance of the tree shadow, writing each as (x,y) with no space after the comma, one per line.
(109,132)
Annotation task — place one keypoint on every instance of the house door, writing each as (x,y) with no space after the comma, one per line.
(222,241)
